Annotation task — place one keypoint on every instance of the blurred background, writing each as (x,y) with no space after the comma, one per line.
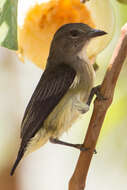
(52,166)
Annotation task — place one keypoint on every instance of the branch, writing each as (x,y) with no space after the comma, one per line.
(78,180)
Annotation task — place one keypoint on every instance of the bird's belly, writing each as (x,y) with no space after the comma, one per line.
(65,114)
(59,122)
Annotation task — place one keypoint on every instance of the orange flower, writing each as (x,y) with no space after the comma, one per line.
(42,21)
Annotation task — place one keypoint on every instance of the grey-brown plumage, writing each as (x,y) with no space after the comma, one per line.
(63,90)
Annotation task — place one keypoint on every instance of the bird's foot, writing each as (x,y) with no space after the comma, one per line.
(78,146)
(95,91)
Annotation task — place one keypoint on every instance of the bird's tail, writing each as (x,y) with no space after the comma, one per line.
(19,157)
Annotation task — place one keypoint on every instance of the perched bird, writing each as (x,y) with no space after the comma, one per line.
(63,92)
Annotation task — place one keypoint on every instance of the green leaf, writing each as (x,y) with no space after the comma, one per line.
(8,24)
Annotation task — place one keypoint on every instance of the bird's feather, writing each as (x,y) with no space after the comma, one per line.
(52,86)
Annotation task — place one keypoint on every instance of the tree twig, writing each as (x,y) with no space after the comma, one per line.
(78,180)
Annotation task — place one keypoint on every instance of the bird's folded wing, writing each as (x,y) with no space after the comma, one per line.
(52,86)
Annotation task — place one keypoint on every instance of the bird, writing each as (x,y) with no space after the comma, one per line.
(64,91)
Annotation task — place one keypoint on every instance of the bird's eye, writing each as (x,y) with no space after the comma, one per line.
(74,33)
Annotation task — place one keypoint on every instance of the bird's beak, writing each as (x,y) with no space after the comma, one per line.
(94,33)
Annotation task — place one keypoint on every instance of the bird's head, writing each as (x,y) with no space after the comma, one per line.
(71,38)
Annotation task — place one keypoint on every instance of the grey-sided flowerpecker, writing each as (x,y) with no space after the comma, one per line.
(63,92)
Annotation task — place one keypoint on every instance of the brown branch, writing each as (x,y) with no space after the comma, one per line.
(78,180)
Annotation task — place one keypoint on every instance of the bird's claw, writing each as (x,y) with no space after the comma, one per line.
(98,94)
(81,147)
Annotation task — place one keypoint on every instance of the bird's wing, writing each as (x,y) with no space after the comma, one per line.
(52,86)
(50,89)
